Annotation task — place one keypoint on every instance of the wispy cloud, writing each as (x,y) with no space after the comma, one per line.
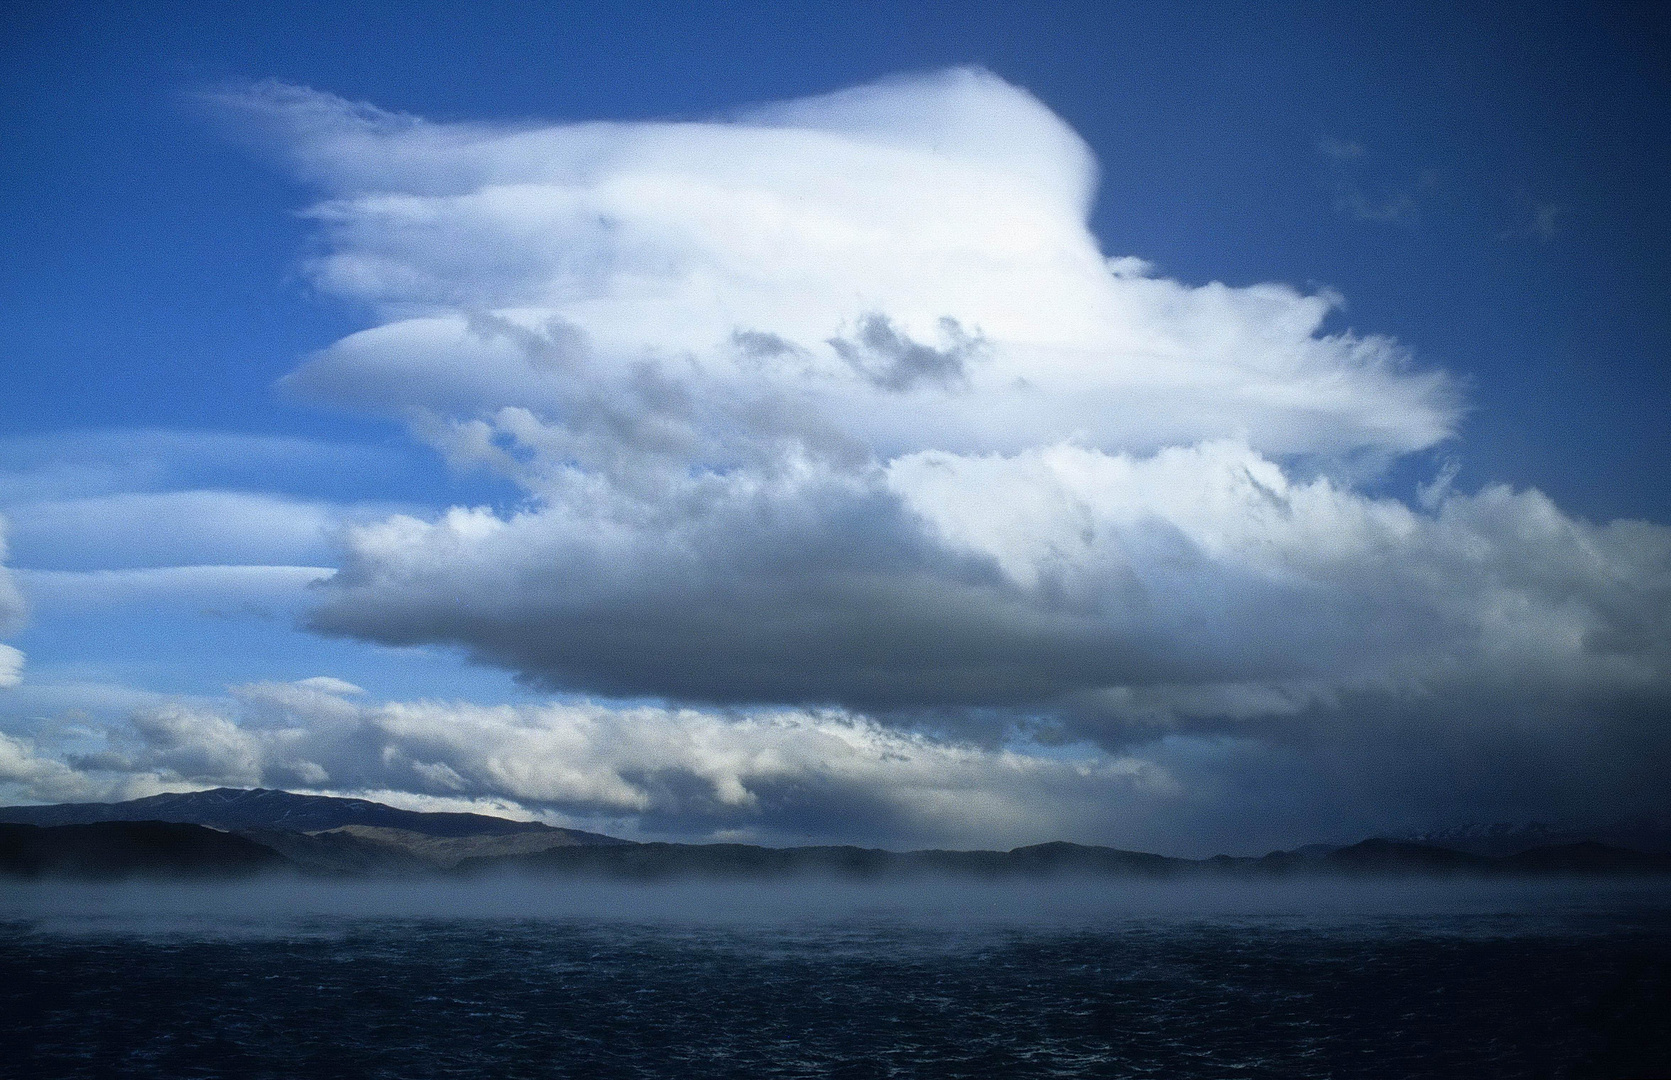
(157,589)
(1360,188)
(1545,224)
(85,464)
(12,612)
(107,521)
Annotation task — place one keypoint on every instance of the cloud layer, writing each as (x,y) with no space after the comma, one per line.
(1063,576)
(901,266)
(799,775)
(779,773)
(143,520)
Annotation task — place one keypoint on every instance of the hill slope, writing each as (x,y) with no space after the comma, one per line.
(235,810)
(124,848)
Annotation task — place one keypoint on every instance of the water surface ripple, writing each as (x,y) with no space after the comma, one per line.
(1569,990)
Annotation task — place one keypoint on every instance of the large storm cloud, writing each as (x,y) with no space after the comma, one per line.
(837,403)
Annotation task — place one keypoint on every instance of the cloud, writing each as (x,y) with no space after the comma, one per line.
(178,528)
(11,667)
(12,608)
(835,407)
(12,613)
(43,706)
(153,589)
(1212,543)
(100,524)
(823,775)
(1358,196)
(1546,222)
(1116,590)
(953,196)
(1544,226)
(708,350)
(769,773)
(37,776)
(889,360)
(82,464)
(100,521)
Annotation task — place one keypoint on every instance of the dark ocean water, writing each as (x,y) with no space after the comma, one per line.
(530,980)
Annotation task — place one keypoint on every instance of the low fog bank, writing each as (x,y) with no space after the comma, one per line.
(284,905)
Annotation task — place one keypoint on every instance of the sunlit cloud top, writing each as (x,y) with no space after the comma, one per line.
(905,264)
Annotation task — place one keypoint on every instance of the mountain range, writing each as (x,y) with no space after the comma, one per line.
(1511,838)
(230,831)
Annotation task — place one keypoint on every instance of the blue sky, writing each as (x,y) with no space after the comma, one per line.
(1486,197)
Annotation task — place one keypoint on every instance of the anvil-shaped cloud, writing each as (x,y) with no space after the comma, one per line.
(838,402)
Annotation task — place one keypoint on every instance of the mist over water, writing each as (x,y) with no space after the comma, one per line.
(278,905)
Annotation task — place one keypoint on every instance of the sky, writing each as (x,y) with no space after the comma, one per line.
(1195,429)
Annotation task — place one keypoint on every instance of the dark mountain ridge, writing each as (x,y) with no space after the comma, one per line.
(108,849)
(233,832)
(1510,838)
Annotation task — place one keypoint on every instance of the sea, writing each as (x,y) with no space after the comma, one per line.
(512,978)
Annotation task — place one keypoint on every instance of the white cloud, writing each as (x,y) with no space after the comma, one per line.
(104,523)
(180,588)
(328,685)
(12,612)
(713,352)
(838,402)
(82,464)
(36,776)
(178,528)
(64,702)
(12,607)
(772,773)
(1358,195)
(1059,578)
(1216,544)
(543,267)
(798,775)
